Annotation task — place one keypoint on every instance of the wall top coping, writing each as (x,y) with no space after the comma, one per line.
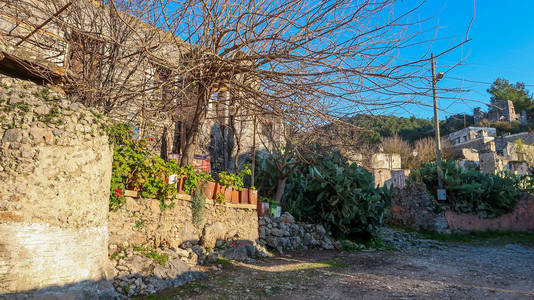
(185,197)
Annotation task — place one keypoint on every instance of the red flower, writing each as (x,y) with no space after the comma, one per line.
(167,180)
(118,192)
(151,139)
(131,131)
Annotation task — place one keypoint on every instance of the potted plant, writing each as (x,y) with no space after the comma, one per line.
(209,190)
(252,195)
(275,210)
(235,195)
(234,183)
(263,207)
(228,194)
(181,181)
(243,196)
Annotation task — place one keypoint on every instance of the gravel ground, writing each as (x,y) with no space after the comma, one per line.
(418,269)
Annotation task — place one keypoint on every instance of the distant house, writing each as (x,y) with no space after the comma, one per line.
(471,133)
(500,111)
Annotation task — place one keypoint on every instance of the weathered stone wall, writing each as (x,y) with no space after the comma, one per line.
(143,222)
(55,171)
(284,234)
(520,219)
(175,244)
(413,207)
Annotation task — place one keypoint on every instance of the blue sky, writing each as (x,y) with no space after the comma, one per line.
(502,45)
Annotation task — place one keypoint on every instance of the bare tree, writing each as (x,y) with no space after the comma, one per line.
(305,63)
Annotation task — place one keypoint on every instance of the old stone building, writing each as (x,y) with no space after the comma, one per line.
(65,41)
(500,111)
(480,146)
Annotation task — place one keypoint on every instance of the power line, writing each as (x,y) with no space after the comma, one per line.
(476,81)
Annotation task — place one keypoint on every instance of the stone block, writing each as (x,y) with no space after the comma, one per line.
(12,135)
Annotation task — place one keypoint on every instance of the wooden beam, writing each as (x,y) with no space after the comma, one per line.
(44,24)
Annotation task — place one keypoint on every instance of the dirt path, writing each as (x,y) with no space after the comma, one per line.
(419,269)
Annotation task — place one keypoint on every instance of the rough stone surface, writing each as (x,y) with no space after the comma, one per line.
(141,234)
(55,192)
(413,207)
(284,234)
(142,222)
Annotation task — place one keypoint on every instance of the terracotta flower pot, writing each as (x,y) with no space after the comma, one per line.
(228,194)
(235,196)
(263,209)
(209,190)
(252,196)
(181,184)
(243,196)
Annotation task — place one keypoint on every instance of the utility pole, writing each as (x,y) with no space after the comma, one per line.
(441,194)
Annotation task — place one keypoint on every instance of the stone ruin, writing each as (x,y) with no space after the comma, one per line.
(55,171)
(57,236)
(492,154)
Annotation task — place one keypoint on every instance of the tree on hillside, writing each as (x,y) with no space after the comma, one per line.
(502,89)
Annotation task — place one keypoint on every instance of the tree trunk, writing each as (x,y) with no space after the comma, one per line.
(194,130)
(280,189)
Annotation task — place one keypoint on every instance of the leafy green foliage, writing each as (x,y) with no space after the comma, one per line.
(199,202)
(471,192)
(377,127)
(193,178)
(327,189)
(148,252)
(134,165)
(234,180)
(502,89)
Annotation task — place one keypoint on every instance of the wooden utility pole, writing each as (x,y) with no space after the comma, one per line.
(253,167)
(441,195)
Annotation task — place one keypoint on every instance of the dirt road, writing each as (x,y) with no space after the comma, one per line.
(418,269)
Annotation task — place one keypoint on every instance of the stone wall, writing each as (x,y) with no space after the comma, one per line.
(284,234)
(143,222)
(55,172)
(414,207)
(521,219)
(153,247)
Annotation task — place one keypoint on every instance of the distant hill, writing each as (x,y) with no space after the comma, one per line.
(410,129)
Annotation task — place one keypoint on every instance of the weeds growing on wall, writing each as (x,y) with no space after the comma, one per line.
(325,188)
(198,206)
(471,192)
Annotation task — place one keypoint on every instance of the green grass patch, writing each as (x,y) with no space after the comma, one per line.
(193,287)
(477,237)
(317,265)
(372,244)
(224,262)
(148,252)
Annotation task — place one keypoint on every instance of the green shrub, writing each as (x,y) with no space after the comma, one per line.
(134,165)
(471,192)
(198,205)
(327,189)
(234,180)
(193,178)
